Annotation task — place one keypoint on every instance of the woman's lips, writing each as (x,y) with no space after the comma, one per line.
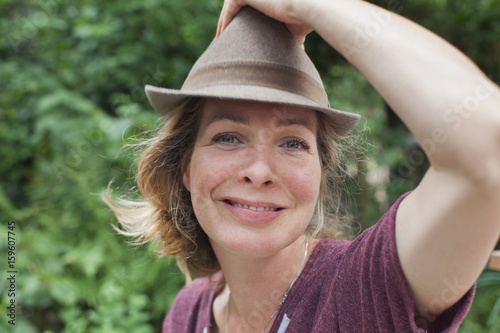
(253,212)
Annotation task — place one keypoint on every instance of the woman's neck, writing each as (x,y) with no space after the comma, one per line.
(257,285)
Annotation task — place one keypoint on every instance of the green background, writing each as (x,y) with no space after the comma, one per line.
(71,96)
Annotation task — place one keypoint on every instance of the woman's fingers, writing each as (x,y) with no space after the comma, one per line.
(229,11)
(279,10)
(300,31)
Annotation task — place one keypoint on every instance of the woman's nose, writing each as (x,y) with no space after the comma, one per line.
(258,169)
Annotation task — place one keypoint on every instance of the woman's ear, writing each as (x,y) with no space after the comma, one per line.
(186,176)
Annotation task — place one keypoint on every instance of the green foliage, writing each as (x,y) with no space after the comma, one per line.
(72,96)
(72,83)
(485,312)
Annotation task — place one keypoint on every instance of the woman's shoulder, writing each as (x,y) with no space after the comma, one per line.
(192,308)
(199,288)
(200,292)
(331,254)
(328,249)
(325,256)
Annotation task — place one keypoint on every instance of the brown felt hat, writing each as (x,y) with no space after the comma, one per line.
(256,59)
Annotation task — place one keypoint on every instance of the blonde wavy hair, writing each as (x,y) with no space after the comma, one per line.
(164,212)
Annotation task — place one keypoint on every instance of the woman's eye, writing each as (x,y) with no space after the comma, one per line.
(296,145)
(226,139)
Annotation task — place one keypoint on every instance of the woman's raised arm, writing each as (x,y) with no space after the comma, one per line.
(447,228)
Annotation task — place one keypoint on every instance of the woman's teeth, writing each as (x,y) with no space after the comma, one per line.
(255,209)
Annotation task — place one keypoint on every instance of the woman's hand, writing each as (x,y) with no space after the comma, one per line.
(281,10)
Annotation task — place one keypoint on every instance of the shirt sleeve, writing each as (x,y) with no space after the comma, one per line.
(380,298)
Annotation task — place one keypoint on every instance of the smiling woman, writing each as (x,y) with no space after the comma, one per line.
(168,214)
(238,184)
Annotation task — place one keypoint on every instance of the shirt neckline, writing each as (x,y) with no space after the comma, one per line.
(305,271)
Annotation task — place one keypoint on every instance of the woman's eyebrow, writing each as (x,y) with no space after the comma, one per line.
(276,122)
(230,117)
(283,122)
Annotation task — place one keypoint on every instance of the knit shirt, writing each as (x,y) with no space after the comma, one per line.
(345,286)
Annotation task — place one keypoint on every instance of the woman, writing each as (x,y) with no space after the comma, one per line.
(249,167)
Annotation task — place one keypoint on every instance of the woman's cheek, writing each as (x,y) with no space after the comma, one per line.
(304,178)
(210,170)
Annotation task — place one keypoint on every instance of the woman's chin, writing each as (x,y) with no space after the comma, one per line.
(257,245)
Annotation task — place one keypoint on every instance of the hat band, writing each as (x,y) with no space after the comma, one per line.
(258,74)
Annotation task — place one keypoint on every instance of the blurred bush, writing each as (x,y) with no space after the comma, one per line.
(72,95)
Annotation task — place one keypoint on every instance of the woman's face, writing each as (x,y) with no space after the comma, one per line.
(254,175)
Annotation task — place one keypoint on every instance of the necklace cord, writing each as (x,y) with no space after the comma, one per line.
(285,295)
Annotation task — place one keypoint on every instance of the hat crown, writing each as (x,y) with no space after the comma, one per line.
(257,59)
(254,39)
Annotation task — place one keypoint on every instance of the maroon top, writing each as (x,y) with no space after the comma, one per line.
(345,286)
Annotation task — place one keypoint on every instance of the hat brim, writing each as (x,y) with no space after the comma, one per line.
(166,100)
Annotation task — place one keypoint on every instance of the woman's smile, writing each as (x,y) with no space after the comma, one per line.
(253,212)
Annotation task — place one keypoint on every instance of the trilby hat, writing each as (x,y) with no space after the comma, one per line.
(255,59)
